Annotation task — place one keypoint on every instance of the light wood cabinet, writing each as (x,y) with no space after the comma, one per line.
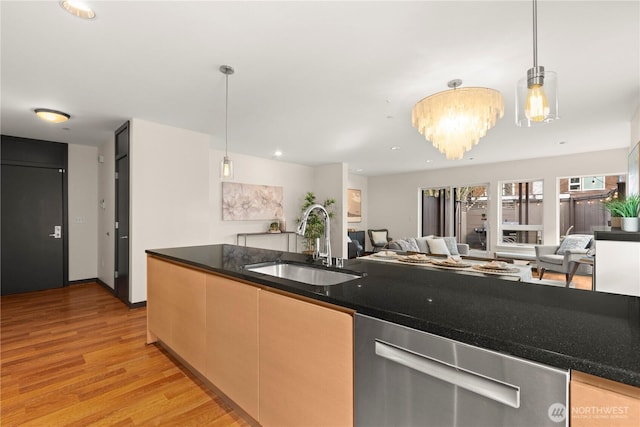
(598,402)
(176,311)
(285,361)
(232,340)
(306,363)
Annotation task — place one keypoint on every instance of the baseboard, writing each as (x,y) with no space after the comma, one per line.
(83,281)
(137,304)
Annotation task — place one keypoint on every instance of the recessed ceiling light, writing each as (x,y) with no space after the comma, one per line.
(78,8)
(429,161)
(395,148)
(51,116)
(278,153)
(359,170)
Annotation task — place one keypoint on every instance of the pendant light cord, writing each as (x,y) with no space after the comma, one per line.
(226,117)
(535,34)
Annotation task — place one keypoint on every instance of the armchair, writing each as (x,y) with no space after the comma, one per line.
(560,257)
(354,247)
(379,238)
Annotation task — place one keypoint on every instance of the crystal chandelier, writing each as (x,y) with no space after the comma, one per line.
(456,119)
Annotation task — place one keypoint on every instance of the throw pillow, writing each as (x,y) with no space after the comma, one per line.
(574,241)
(413,245)
(379,238)
(452,245)
(423,245)
(408,245)
(394,245)
(438,247)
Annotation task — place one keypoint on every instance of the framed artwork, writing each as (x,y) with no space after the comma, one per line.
(633,186)
(242,202)
(354,205)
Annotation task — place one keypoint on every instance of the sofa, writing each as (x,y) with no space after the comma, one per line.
(429,245)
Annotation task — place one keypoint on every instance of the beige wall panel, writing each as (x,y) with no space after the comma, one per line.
(597,402)
(232,340)
(306,364)
(159,303)
(177,310)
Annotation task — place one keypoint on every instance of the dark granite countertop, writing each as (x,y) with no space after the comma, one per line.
(617,235)
(592,332)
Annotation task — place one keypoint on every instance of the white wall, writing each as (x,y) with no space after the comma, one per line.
(176,194)
(295,179)
(331,183)
(169,199)
(83,211)
(394,200)
(635,128)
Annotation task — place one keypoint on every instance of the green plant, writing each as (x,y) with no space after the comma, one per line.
(315,223)
(627,208)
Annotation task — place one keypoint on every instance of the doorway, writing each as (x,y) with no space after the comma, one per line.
(34,215)
(121,286)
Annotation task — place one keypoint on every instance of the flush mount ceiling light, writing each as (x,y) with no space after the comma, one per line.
(78,8)
(226,167)
(455,120)
(537,94)
(51,116)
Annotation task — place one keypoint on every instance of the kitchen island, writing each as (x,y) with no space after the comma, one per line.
(591,332)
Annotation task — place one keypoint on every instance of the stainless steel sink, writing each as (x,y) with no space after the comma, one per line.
(309,274)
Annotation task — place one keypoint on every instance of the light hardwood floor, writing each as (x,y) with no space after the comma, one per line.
(77,356)
(579,282)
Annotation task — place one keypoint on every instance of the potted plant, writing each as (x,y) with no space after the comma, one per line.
(315,224)
(274,227)
(628,209)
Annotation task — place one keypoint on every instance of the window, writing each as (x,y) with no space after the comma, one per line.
(471,222)
(435,211)
(581,211)
(464,216)
(521,212)
(575,184)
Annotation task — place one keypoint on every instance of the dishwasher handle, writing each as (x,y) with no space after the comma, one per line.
(499,391)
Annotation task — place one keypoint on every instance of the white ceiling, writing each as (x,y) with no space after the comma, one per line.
(323,81)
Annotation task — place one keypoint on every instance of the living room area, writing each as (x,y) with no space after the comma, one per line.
(505,210)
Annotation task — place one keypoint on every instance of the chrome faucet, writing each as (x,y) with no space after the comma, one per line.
(326,255)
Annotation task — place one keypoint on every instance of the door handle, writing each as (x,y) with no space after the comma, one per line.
(499,391)
(57,232)
(124,237)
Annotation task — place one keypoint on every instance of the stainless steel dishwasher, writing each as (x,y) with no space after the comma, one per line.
(406,377)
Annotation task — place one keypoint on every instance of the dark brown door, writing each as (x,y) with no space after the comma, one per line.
(122,214)
(33,228)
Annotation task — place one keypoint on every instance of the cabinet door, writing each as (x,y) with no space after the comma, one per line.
(617,268)
(176,309)
(158,301)
(232,340)
(598,402)
(306,363)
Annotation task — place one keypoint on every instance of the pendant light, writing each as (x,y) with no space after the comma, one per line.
(226,167)
(537,94)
